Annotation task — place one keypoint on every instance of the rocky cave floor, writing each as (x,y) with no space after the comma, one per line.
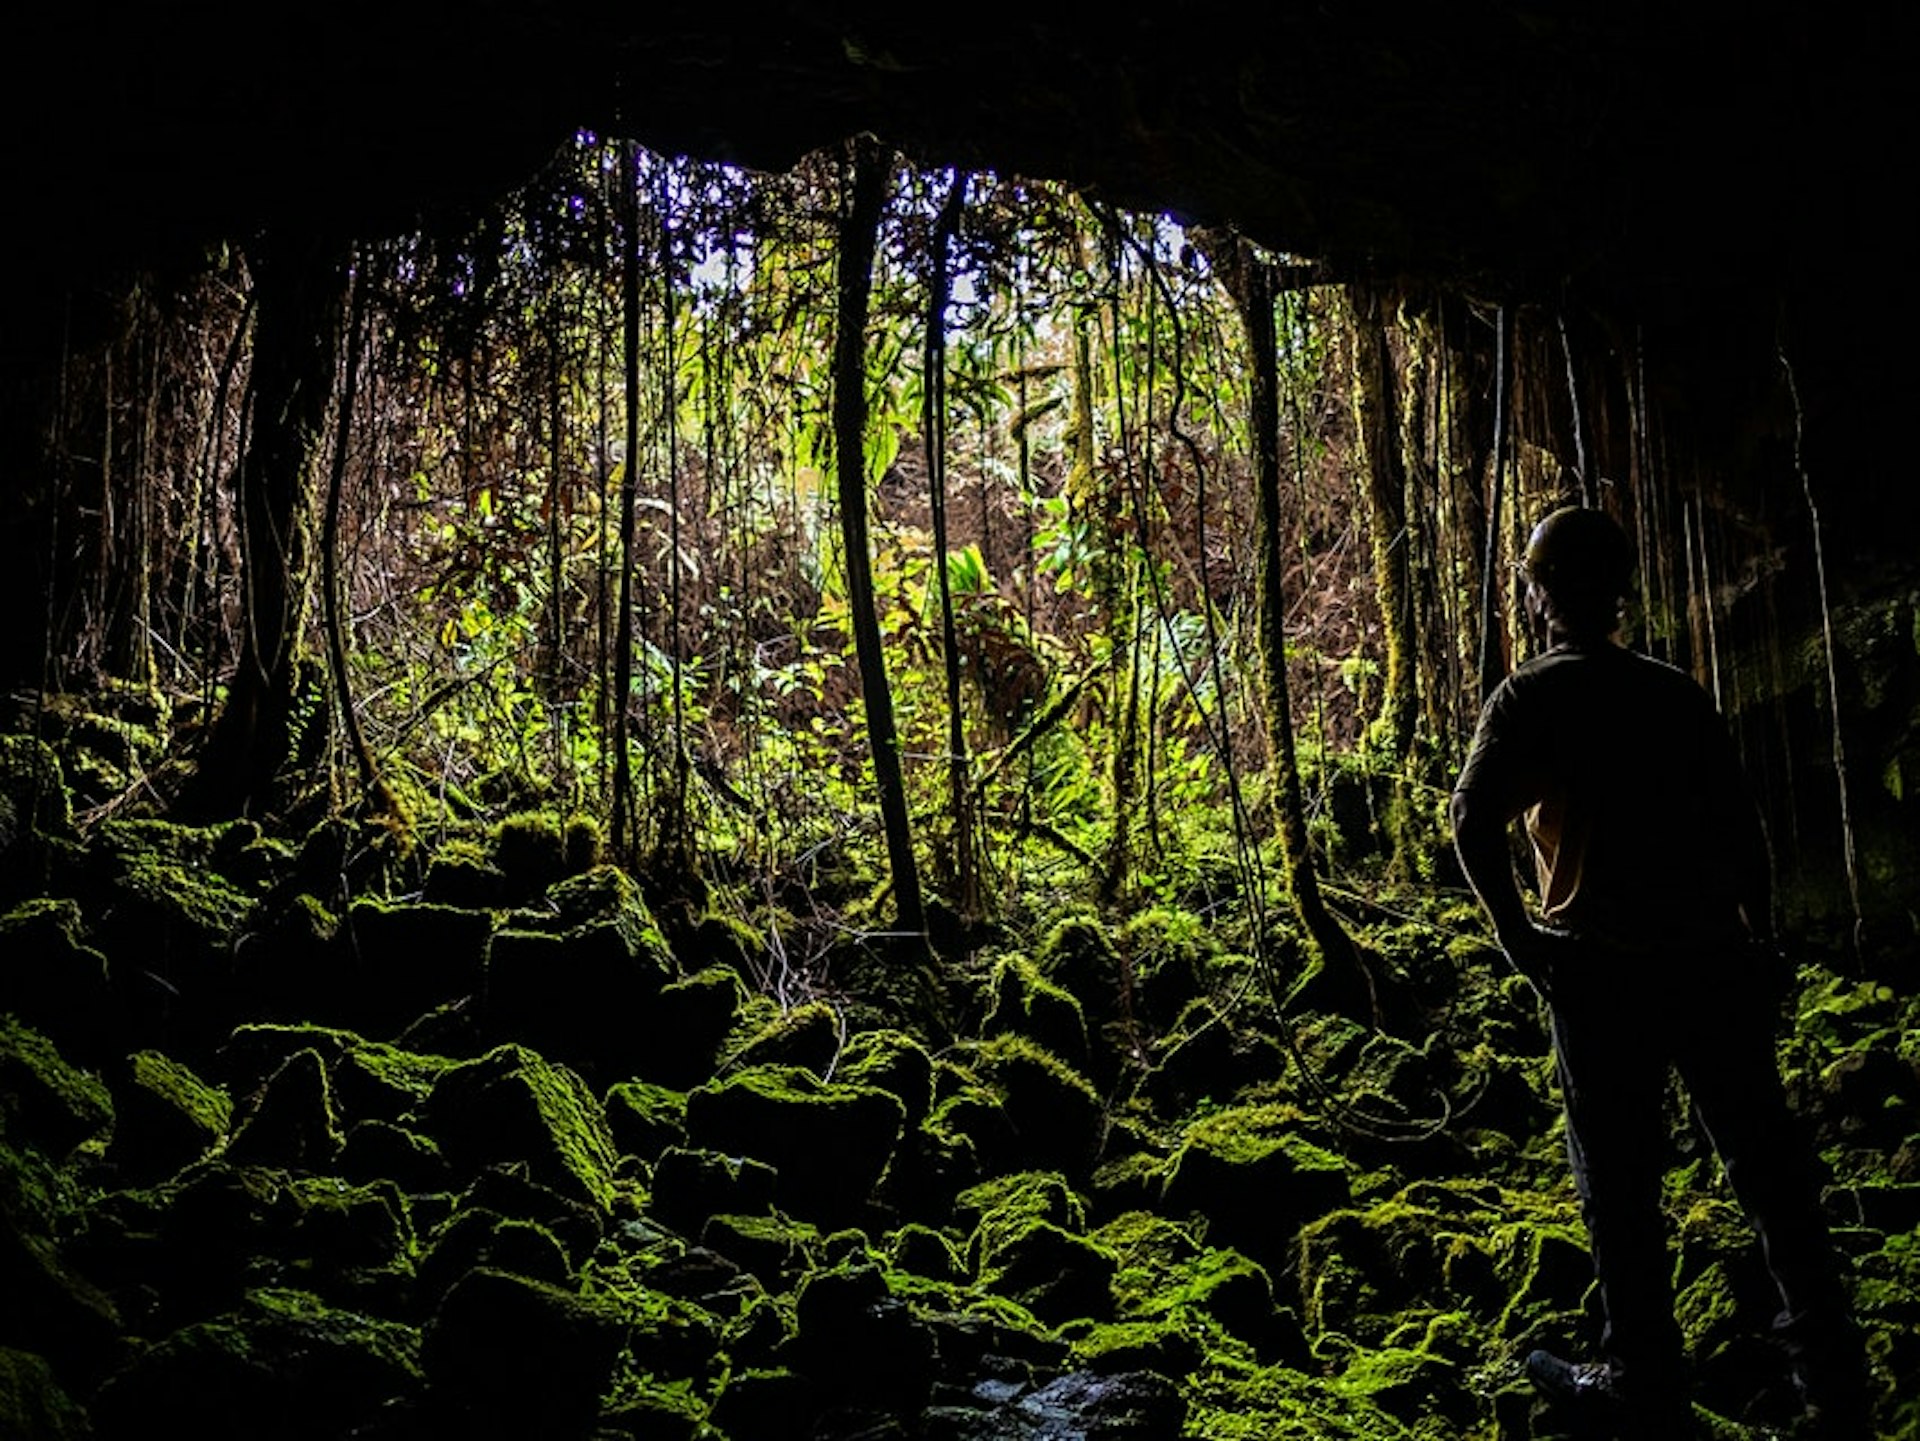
(329,1136)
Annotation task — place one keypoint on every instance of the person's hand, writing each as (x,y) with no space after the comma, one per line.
(1533,949)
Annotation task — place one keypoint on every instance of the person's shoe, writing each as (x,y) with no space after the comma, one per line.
(1585,1385)
(1594,1390)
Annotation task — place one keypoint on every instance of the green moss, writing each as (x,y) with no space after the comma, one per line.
(893,1061)
(44,1101)
(513,1105)
(292,1122)
(809,1034)
(829,1142)
(33,1407)
(645,1118)
(1053,1112)
(1168,1345)
(1023,1002)
(530,850)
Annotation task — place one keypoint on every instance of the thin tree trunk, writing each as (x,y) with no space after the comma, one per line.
(624,839)
(934,428)
(1255,294)
(859,229)
(372,789)
(1375,403)
(1492,652)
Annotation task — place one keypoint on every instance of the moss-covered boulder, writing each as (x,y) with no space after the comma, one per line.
(33,1405)
(283,1363)
(677,1038)
(1029,1244)
(399,960)
(291,1121)
(690,1184)
(506,1355)
(165,1118)
(829,1142)
(35,812)
(1164,1272)
(893,1061)
(810,1034)
(511,1105)
(1079,956)
(476,1237)
(1023,1002)
(45,1101)
(1255,1178)
(775,1249)
(1051,1111)
(574,978)
(52,978)
(645,1118)
(856,1341)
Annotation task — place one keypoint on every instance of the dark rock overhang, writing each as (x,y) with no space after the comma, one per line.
(1615,146)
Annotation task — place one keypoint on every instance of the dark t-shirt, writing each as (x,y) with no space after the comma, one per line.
(1640,820)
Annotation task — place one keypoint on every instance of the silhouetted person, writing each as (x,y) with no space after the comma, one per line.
(1651,949)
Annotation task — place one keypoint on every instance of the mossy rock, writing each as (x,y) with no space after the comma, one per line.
(462,873)
(809,1035)
(647,1410)
(399,960)
(475,1237)
(1415,1387)
(373,1150)
(923,1251)
(283,1363)
(828,1142)
(291,1122)
(35,811)
(645,1119)
(768,1403)
(512,1105)
(507,1189)
(1079,955)
(677,1039)
(1168,953)
(506,1355)
(895,1062)
(773,1248)
(165,1118)
(1023,1002)
(530,851)
(46,1304)
(44,1101)
(1052,1112)
(857,1341)
(51,978)
(1256,1179)
(33,1405)
(690,1184)
(169,896)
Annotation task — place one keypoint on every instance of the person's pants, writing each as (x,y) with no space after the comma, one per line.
(1619,1023)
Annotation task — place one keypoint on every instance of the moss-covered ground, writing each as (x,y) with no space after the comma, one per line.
(484,1147)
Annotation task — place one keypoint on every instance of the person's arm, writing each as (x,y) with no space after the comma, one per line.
(1480,839)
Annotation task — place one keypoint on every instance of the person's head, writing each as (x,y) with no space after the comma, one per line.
(1579,568)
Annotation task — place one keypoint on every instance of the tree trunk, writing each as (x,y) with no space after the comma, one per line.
(1377,424)
(859,229)
(934,429)
(297,284)
(624,823)
(1336,948)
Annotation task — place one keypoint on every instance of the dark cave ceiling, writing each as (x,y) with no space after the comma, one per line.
(1618,147)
